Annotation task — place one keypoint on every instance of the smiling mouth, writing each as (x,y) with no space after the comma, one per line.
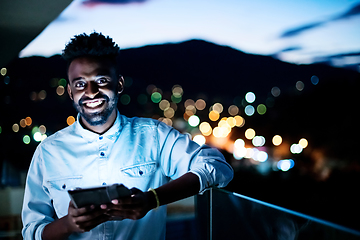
(94,103)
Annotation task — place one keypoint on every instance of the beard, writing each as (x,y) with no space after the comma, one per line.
(97,118)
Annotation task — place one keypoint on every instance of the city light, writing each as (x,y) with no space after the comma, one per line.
(277,140)
(285,165)
(15,127)
(303,143)
(200,104)
(249,110)
(214,116)
(194,120)
(156,97)
(60,90)
(3,71)
(299,85)
(70,120)
(26,139)
(258,141)
(275,91)
(169,112)
(296,148)
(205,128)
(164,104)
(233,110)
(250,97)
(314,80)
(261,109)
(250,133)
(218,107)
(240,121)
(199,139)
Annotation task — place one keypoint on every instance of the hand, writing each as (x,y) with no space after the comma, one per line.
(86,218)
(134,207)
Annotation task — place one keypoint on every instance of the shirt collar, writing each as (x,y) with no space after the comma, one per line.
(90,136)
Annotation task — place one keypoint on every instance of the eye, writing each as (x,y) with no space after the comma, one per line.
(80,84)
(102,81)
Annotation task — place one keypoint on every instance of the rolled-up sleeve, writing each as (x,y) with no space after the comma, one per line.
(179,155)
(37,208)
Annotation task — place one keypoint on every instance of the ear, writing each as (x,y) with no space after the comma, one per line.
(69,92)
(121,83)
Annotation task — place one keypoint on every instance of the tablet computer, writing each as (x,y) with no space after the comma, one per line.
(82,197)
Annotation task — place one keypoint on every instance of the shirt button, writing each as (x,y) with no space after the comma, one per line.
(101,138)
(102,154)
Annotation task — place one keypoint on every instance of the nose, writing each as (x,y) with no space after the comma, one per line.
(91,89)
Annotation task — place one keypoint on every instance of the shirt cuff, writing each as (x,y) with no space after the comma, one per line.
(204,180)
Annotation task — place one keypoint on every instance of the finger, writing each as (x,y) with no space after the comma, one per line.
(88,225)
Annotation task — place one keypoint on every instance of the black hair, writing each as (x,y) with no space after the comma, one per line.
(93,45)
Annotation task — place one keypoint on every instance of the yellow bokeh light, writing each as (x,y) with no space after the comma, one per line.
(240,121)
(214,116)
(191,108)
(15,127)
(250,133)
(164,104)
(60,90)
(169,112)
(70,120)
(218,132)
(231,121)
(277,140)
(205,128)
(303,143)
(3,71)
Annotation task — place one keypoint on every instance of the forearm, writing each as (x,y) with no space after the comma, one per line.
(183,187)
(57,230)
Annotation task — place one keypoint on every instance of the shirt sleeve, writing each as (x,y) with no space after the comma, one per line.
(37,209)
(179,155)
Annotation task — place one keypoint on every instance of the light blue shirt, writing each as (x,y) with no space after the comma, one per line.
(137,152)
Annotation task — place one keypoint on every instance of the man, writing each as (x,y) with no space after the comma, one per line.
(103,147)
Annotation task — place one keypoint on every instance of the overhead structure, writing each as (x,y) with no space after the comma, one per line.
(22,21)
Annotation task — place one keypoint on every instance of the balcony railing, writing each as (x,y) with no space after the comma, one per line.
(223,215)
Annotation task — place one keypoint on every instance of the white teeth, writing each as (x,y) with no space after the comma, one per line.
(93,104)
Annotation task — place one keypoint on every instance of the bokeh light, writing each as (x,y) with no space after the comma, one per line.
(60,90)
(28,121)
(200,104)
(299,85)
(296,148)
(275,91)
(233,110)
(3,71)
(277,140)
(70,120)
(214,116)
(199,139)
(125,99)
(261,109)
(164,104)
(250,133)
(314,80)
(156,97)
(15,127)
(240,121)
(258,141)
(218,107)
(26,139)
(285,165)
(169,112)
(249,110)
(194,120)
(205,128)
(303,143)
(250,97)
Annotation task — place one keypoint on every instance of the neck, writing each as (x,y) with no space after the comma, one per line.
(100,129)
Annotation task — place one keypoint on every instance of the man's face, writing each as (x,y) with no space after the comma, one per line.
(94,88)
